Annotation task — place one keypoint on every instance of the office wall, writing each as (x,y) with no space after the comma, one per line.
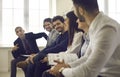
(63,6)
(5,58)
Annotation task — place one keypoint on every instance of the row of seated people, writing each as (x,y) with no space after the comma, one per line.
(101,46)
(64,36)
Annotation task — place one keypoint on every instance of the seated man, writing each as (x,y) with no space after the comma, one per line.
(36,68)
(53,34)
(25,44)
(82,49)
(76,40)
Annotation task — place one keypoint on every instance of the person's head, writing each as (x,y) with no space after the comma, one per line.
(86,9)
(58,23)
(19,32)
(47,24)
(70,21)
(82,25)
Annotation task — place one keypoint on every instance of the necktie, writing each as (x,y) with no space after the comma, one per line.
(26,46)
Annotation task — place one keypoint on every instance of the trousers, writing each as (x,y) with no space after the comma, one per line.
(14,68)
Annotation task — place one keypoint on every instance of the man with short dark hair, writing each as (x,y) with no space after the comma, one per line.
(37,65)
(53,34)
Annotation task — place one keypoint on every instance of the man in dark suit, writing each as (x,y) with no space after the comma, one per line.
(24,45)
(61,43)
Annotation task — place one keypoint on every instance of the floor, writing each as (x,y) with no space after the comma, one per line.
(7,74)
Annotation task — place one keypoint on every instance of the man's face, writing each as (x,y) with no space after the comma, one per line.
(19,32)
(58,25)
(48,26)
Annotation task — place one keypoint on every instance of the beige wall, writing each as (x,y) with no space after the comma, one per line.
(63,6)
(6,57)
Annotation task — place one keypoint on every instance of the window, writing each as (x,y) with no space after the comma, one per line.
(30,14)
(12,16)
(111,8)
(38,11)
(101,5)
(114,10)
(26,13)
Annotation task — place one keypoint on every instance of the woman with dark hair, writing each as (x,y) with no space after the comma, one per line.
(76,40)
(74,34)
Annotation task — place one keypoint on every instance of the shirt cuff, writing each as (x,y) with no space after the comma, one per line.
(67,72)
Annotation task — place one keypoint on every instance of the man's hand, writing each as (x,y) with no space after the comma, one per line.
(55,69)
(44,60)
(27,60)
(31,58)
(15,48)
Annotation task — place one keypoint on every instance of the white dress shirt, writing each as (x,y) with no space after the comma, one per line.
(102,56)
(85,45)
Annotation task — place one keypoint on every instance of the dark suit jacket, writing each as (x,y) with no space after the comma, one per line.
(59,45)
(32,42)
